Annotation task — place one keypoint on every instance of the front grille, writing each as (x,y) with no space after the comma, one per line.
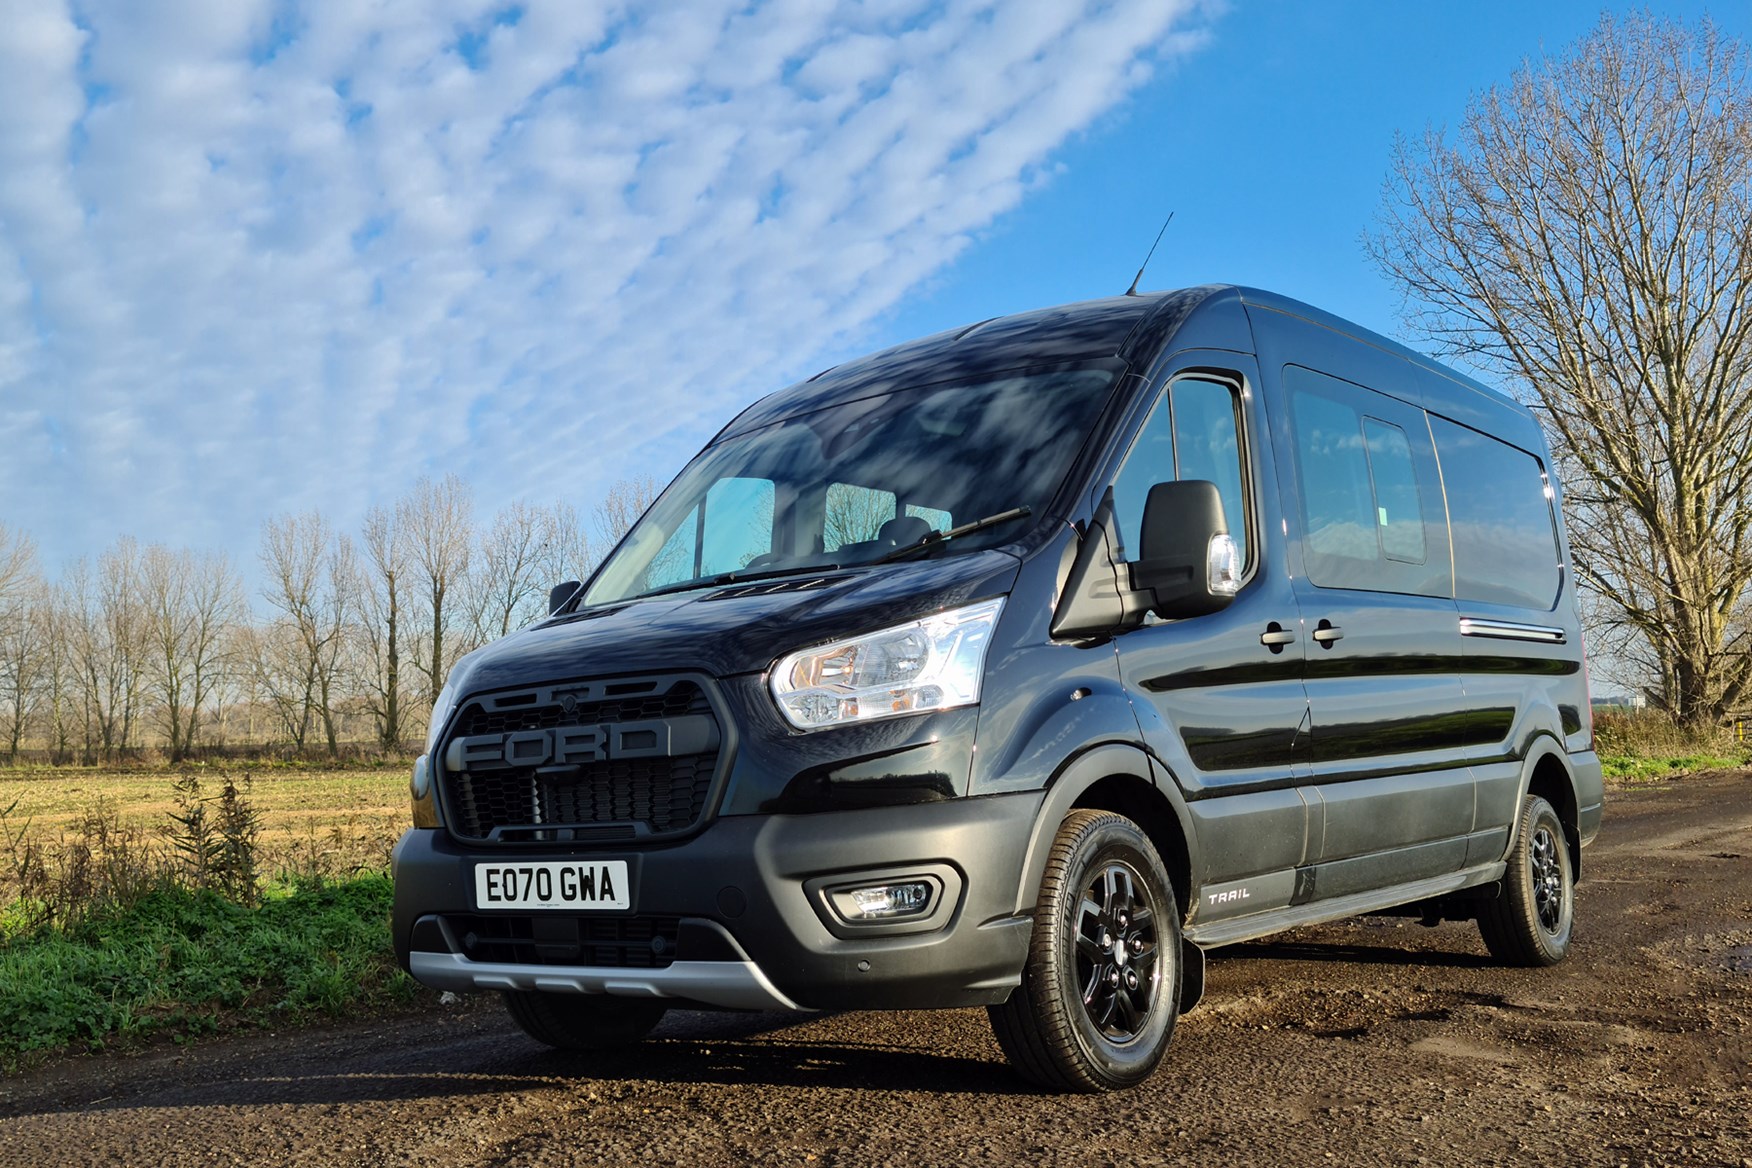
(550,939)
(582,761)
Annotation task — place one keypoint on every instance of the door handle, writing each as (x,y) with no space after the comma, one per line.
(1276,636)
(1328,633)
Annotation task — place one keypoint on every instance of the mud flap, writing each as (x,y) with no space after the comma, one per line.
(1192,975)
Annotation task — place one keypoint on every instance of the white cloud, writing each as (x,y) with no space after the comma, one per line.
(257,257)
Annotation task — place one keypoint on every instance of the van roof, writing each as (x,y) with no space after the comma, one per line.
(1090,330)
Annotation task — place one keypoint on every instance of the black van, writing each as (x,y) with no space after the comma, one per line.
(1016,667)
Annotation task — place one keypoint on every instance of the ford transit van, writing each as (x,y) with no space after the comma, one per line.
(1016,667)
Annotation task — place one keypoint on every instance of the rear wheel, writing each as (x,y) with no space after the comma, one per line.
(1101,987)
(1532,918)
(582,1021)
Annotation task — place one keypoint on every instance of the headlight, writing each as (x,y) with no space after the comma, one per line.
(932,664)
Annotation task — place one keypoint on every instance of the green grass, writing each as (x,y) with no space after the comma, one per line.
(181,964)
(1634,769)
(111,932)
(1641,746)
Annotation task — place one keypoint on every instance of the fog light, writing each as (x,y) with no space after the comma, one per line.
(883,902)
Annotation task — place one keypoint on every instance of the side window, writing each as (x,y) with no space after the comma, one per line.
(676,561)
(1193,432)
(739,524)
(854,514)
(1499,508)
(1371,519)
(736,527)
(1398,510)
(1207,446)
(939,520)
(1337,501)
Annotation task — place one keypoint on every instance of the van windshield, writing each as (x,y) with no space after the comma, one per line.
(851,483)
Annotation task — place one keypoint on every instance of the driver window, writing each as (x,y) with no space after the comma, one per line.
(1192,433)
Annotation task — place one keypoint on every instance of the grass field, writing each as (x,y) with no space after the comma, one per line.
(110,933)
(313,820)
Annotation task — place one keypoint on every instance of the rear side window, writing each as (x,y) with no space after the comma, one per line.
(1499,509)
(1371,517)
(1398,509)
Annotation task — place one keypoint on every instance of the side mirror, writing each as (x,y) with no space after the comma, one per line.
(1187,563)
(561,595)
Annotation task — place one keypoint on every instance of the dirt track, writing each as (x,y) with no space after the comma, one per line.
(1375,1041)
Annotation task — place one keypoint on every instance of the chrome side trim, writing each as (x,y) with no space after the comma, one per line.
(1472,626)
(736,985)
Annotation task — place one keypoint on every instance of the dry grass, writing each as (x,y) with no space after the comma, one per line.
(313,821)
(1643,745)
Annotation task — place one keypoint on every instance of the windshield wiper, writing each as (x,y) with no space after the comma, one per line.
(742,577)
(739,577)
(937,537)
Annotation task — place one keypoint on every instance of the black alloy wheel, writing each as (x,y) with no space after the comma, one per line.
(1532,919)
(1101,986)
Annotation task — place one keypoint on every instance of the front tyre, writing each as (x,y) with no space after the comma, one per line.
(1101,987)
(1530,921)
(582,1021)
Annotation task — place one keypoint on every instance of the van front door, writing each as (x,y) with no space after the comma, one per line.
(1219,698)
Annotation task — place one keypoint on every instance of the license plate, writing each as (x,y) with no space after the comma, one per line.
(596,884)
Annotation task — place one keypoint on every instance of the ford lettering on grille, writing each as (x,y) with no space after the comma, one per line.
(575,745)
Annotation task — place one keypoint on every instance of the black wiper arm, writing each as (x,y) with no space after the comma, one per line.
(769,573)
(937,537)
(738,577)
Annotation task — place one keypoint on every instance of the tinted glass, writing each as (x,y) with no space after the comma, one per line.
(1338,502)
(1499,509)
(1398,509)
(1207,446)
(835,479)
(738,530)
(1370,489)
(1191,433)
(854,514)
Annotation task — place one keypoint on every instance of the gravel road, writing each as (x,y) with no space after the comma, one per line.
(1374,1041)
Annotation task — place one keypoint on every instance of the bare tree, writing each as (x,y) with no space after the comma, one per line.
(103,620)
(438,521)
(60,704)
(20,636)
(505,572)
(17,566)
(279,679)
(190,601)
(1586,236)
(852,515)
(525,552)
(625,502)
(384,594)
(24,662)
(566,552)
(312,577)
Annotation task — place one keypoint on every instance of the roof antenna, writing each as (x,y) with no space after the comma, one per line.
(1133,290)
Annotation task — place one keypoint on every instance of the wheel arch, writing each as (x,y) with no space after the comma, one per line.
(1547,775)
(1119,779)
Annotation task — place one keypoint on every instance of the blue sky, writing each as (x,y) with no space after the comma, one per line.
(262,256)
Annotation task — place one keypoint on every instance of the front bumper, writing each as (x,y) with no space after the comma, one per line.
(736,916)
